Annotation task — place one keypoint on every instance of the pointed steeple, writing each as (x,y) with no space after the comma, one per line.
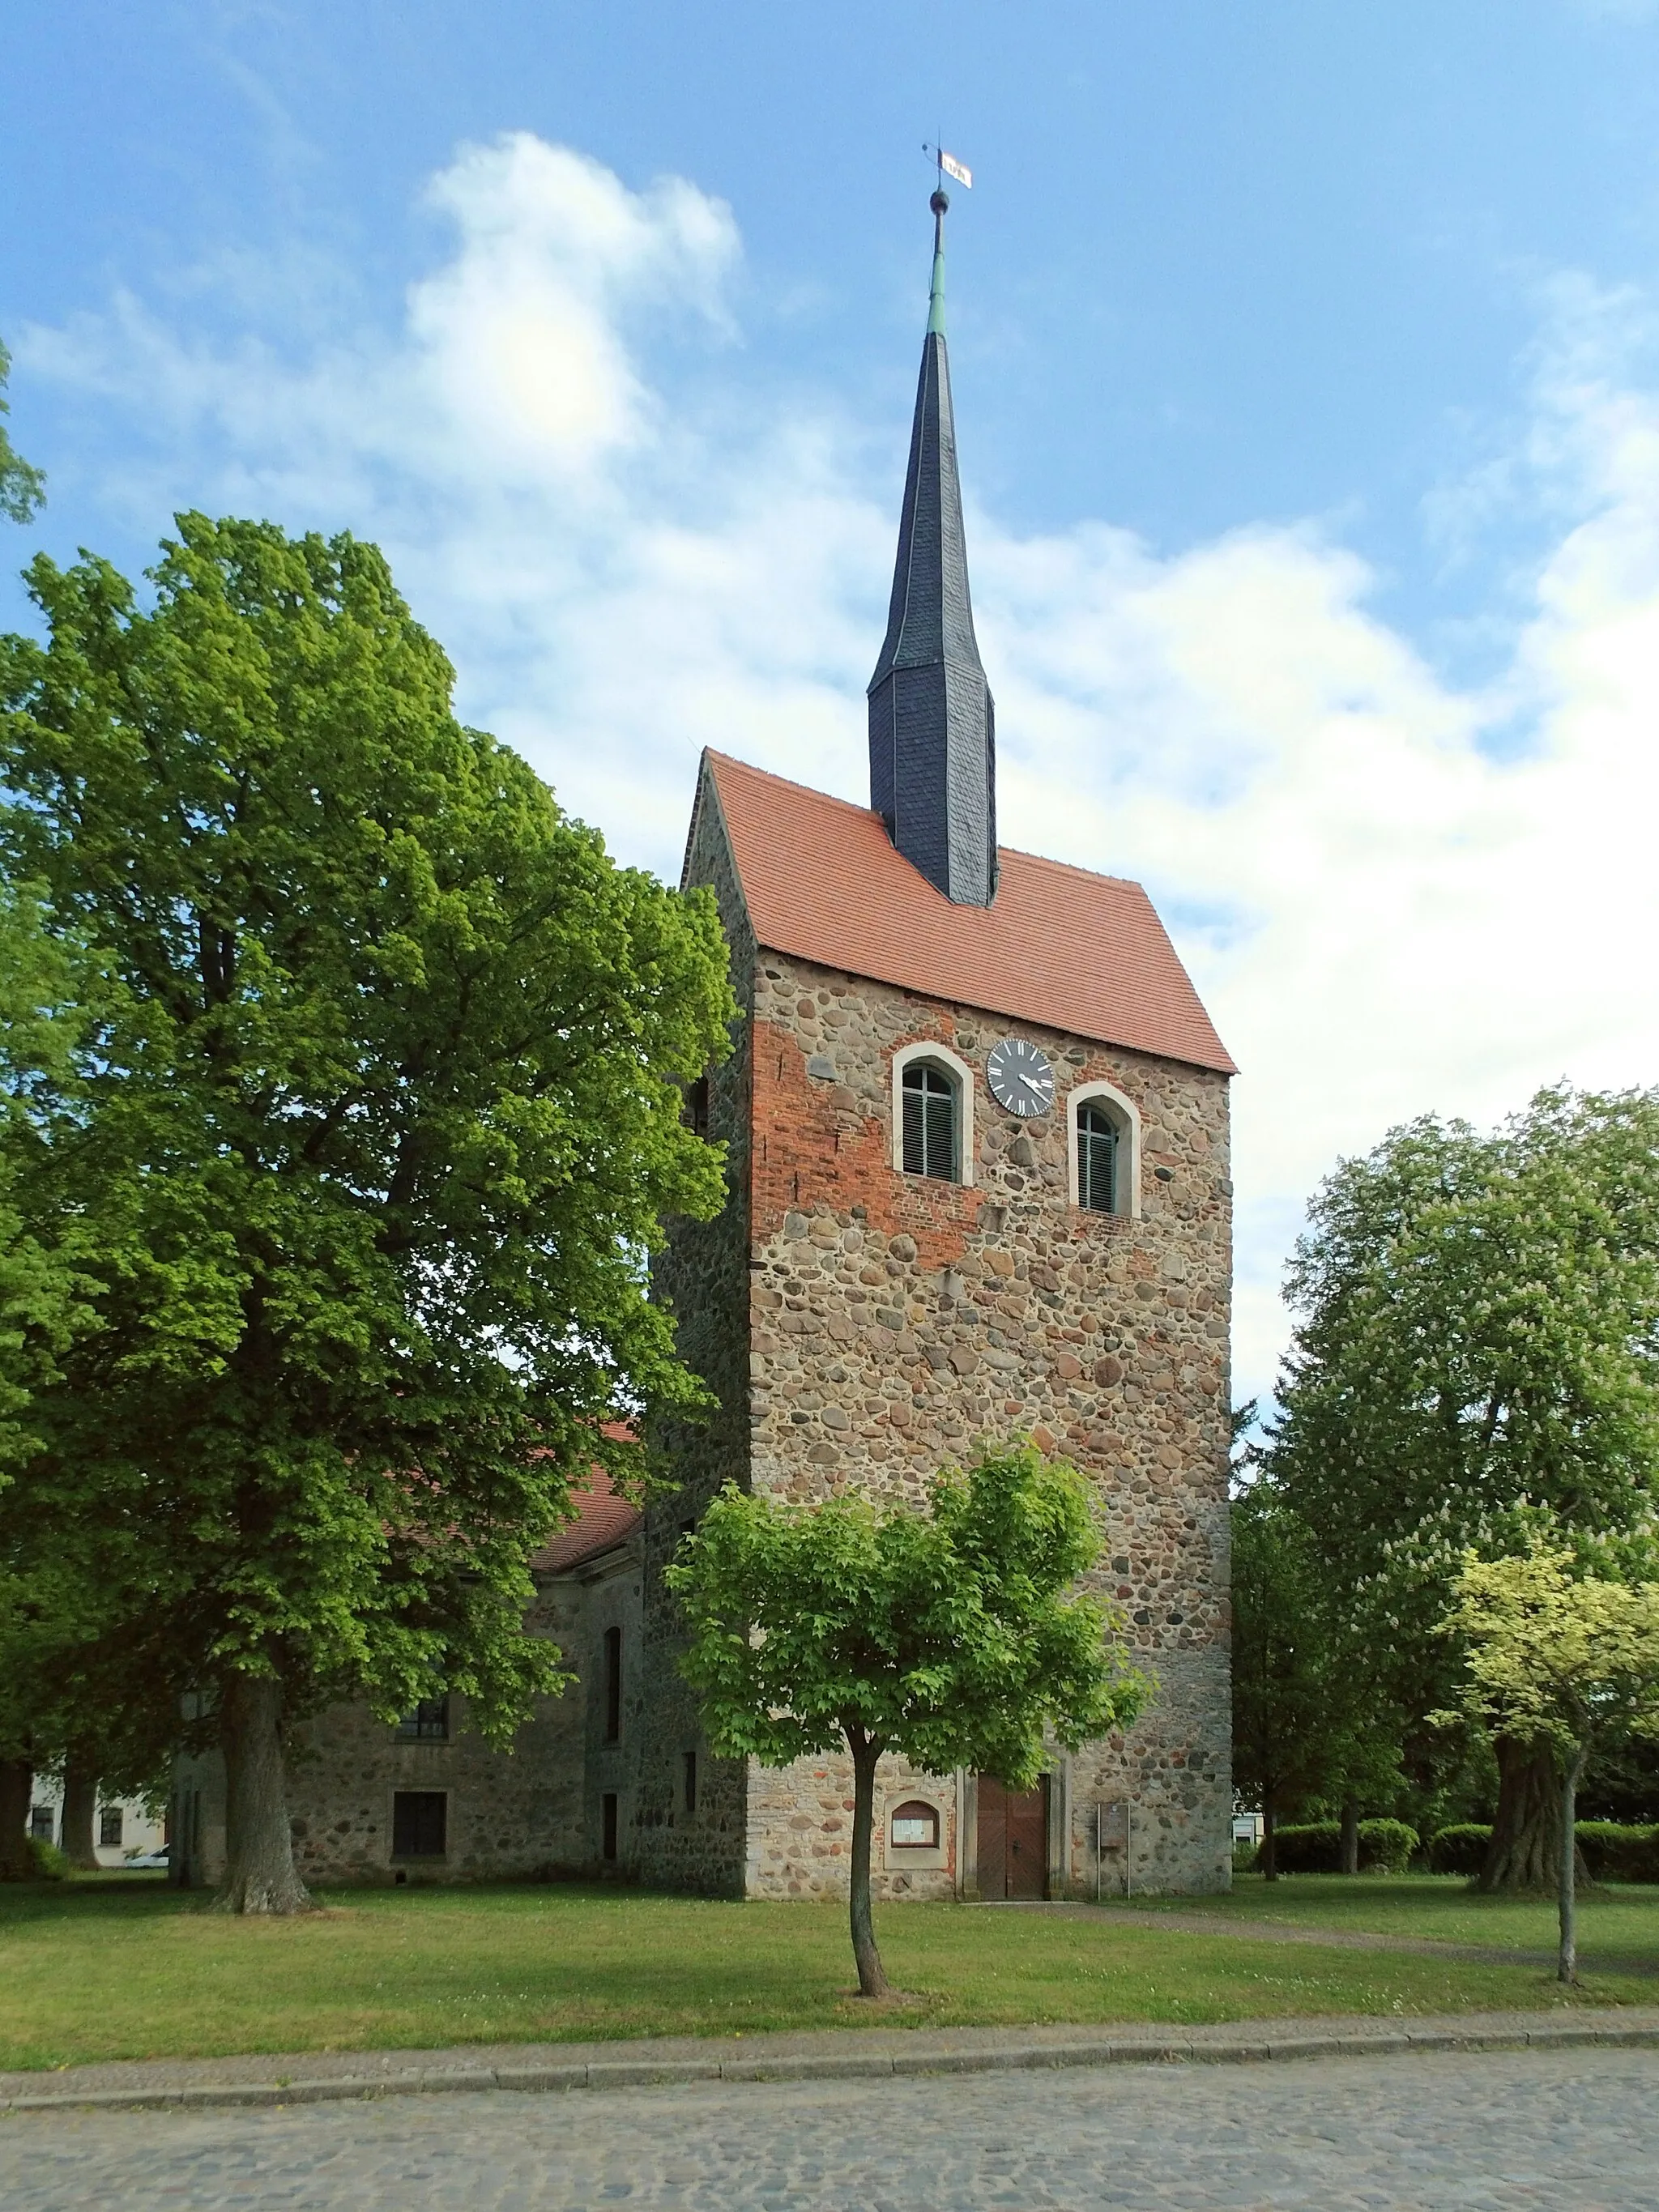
(933,724)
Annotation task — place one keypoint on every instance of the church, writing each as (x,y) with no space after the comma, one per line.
(976,1127)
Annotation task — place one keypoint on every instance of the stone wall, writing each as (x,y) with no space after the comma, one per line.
(703,1276)
(533,1812)
(898,1322)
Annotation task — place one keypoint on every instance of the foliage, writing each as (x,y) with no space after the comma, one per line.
(947,1634)
(1305,1721)
(1557,1659)
(951,1635)
(22,488)
(1478,1318)
(51,1864)
(372,1124)
(1459,1848)
(1615,1851)
(1316,1847)
(1555,1656)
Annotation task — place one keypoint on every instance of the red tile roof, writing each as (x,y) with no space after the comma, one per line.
(603,1520)
(1059,945)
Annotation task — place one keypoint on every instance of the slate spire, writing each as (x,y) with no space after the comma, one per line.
(933,725)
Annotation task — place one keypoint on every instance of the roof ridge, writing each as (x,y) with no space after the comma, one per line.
(834,798)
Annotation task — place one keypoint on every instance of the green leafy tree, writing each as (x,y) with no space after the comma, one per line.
(951,1635)
(1287,1731)
(1478,1322)
(22,488)
(1560,1660)
(364,1153)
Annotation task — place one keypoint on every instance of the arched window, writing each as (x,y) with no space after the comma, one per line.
(915,1826)
(1103,1137)
(929,1122)
(1097,1160)
(932,1112)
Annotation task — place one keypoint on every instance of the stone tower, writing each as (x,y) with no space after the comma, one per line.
(977,1141)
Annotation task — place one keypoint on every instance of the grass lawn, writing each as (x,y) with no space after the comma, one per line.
(128,1969)
(1619,1920)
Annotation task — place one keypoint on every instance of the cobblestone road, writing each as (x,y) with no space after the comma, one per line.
(1578,2132)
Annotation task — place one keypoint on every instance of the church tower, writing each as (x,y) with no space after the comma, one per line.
(976,1131)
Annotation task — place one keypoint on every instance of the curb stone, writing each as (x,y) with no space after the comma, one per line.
(903,2054)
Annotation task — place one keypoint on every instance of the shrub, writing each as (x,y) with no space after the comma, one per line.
(1612,1851)
(1243,1855)
(1615,1852)
(1316,1847)
(49,1862)
(1460,1849)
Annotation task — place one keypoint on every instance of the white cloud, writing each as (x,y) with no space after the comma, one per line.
(1390,905)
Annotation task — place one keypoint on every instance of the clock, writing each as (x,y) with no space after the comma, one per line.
(1020,1078)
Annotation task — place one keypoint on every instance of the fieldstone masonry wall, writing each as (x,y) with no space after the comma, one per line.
(894,1322)
(532,1813)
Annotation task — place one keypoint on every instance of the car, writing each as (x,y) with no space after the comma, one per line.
(148,1861)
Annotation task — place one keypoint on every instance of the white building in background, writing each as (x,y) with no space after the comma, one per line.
(122,1828)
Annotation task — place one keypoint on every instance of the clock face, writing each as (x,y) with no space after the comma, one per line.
(1020,1078)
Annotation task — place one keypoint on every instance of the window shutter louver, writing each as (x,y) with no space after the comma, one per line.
(930,1123)
(916,1143)
(1096,1161)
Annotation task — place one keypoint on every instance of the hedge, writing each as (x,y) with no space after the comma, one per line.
(1612,1850)
(1615,1852)
(1461,1849)
(1316,1847)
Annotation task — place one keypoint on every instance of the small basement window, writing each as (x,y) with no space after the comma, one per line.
(929,1122)
(426,1723)
(420,1824)
(915,1824)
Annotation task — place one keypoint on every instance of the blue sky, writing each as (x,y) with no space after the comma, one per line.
(1305,381)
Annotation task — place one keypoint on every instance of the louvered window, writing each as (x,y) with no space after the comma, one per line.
(930,1122)
(1097,1160)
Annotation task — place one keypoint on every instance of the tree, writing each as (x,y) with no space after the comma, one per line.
(364,1153)
(1562,1661)
(22,488)
(945,1634)
(1289,1717)
(1478,1320)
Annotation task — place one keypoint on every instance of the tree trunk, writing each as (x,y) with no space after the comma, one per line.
(260,1870)
(1267,1857)
(865,1750)
(75,1830)
(1567,1964)
(16,1795)
(1350,1835)
(1525,1851)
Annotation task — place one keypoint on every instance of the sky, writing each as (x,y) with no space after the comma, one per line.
(1306,365)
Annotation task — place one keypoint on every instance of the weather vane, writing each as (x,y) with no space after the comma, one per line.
(948,166)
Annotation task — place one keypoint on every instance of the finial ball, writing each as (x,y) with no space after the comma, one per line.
(940,202)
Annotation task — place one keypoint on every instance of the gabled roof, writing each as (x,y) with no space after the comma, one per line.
(1058,945)
(603,1520)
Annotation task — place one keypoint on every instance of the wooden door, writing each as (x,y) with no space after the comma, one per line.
(1012,1839)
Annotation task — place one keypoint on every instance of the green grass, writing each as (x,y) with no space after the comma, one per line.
(1618,1920)
(130,1970)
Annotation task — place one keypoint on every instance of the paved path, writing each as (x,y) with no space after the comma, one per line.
(1575,2131)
